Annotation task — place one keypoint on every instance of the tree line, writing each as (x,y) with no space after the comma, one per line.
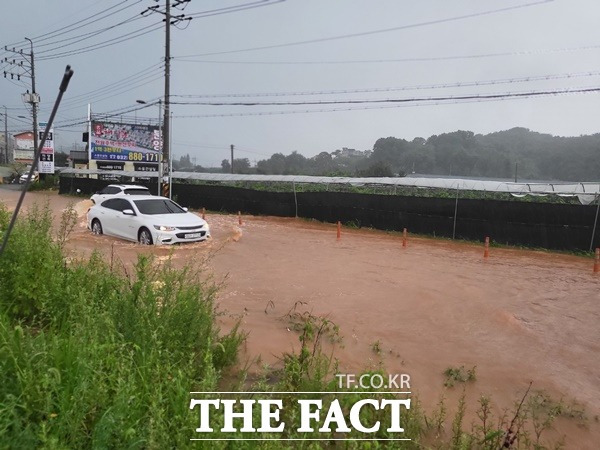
(515,153)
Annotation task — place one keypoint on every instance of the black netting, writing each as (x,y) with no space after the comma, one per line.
(545,225)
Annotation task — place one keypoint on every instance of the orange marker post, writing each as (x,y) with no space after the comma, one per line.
(404,237)
(597,261)
(339,230)
(239,217)
(486,251)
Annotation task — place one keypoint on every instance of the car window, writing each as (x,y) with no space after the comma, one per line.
(118,204)
(108,190)
(158,206)
(137,191)
(123,204)
(111,203)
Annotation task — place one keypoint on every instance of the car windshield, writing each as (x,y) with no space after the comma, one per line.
(158,206)
(137,191)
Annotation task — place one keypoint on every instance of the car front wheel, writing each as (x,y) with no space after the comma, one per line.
(144,237)
(96,227)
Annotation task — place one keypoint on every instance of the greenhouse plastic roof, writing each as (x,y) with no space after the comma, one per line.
(585,191)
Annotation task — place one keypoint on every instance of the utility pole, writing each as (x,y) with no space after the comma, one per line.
(5,136)
(169,20)
(34,100)
(231,158)
(166,128)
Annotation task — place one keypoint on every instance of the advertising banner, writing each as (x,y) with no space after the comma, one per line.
(46,163)
(111,141)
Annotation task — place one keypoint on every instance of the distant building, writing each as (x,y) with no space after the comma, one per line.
(23,149)
(351,153)
(79,159)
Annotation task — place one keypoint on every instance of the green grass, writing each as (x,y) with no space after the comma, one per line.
(455,375)
(90,357)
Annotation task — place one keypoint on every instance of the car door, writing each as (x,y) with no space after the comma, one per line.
(126,226)
(108,215)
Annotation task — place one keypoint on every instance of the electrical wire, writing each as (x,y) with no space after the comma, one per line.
(114,94)
(84,22)
(403,88)
(431,101)
(397,100)
(85,36)
(373,32)
(113,113)
(133,77)
(125,37)
(399,60)
(235,8)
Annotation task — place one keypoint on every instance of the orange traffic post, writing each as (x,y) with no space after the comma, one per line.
(404,236)
(339,229)
(203,213)
(597,261)
(486,251)
(239,217)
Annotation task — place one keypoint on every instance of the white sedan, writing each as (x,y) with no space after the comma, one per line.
(147,219)
(119,189)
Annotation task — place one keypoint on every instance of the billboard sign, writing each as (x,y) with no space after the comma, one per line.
(111,141)
(46,162)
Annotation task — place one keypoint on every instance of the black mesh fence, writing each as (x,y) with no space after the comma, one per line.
(545,225)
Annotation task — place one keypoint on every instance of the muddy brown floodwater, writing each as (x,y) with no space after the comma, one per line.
(519,316)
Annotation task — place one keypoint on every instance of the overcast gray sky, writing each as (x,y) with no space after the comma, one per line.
(399,49)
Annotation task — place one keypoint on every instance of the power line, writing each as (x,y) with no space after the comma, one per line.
(397,100)
(113,113)
(112,91)
(459,84)
(235,8)
(373,32)
(83,23)
(85,36)
(219,147)
(398,103)
(399,60)
(117,40)
(124,89)
(109,87)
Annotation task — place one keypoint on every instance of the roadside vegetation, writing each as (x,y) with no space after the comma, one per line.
(95,356)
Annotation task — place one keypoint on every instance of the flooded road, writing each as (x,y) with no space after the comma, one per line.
(518,316)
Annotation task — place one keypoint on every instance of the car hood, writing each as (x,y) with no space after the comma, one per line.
(176,220)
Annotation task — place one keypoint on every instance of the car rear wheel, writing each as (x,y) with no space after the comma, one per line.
(96,227)
(144,237)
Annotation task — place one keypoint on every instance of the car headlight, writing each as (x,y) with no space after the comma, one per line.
(164,228)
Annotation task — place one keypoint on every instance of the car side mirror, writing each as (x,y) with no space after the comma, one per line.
(128,212)
(185,209)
